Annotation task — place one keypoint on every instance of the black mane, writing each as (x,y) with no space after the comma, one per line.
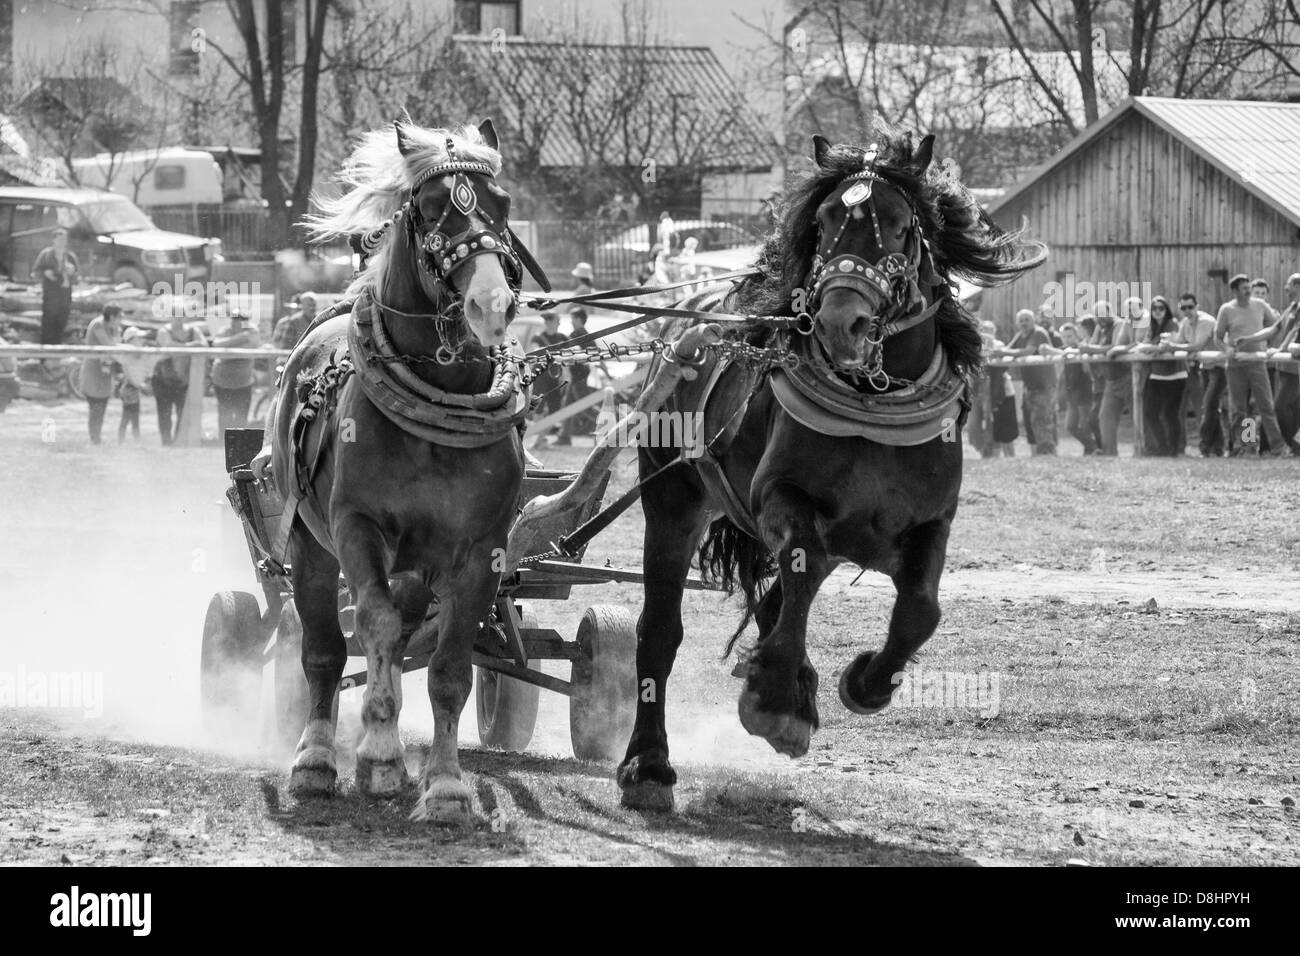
(964,242)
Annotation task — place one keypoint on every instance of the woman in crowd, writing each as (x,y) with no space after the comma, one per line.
(1162,395)
(171,376)
(96,372)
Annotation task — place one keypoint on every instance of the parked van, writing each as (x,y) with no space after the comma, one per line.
(112,238)
(155,177)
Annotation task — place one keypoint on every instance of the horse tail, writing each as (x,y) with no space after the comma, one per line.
(729,558)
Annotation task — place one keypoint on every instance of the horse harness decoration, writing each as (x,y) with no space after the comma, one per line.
(891,283)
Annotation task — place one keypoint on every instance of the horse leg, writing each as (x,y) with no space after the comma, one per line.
(779,702)
(868,683)
(674,518)
(381,767)
(443,795)
(324,655)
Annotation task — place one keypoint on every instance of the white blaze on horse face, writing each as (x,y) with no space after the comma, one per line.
(488,301)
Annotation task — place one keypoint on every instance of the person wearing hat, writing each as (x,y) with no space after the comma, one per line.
(97,373)
(232,378)
(1245,324)
(586,276)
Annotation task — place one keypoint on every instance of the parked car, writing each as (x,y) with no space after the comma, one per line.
(618,259)
(112,238)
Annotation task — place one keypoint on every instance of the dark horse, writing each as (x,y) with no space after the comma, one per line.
(408,520)
(866,246)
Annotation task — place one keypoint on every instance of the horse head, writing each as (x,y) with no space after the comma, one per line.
(869,277)
(457,219)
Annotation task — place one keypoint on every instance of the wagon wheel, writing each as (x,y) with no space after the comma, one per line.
(73,379)
(602,709)
(230,660)
(290,699)
(507,708)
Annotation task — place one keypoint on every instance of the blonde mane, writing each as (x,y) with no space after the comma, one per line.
(377,178)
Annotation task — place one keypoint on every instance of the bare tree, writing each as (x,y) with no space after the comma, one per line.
(266,67)
(94,100)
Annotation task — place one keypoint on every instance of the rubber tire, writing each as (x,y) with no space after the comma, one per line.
(74,380)
(290,700)
(602,709)
(130,274)
(230,659)
(507,708)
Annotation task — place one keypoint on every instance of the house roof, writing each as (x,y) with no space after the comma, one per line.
(688,83)
(1252,143)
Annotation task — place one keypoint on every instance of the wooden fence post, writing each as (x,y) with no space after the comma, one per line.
(189,431)
(1139,425)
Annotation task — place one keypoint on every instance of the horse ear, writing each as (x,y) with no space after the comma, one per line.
(924,153)
(404,144)
(821,148)
(489,133)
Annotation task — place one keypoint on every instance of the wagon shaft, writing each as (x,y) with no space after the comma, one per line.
(598,464)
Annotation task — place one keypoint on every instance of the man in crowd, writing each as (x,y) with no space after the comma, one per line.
(1112,338)
(1286,395)
(1039,382)
(1196,331)
(232,378)
(290,329)
(578,385)
(1244,324)
(1076,390)
(56,267)
(549,387)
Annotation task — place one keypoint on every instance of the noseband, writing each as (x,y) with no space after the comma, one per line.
(890,283)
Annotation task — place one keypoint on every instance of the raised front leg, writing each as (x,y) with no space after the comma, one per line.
(464,604)
(867,684)
(381,764)
(779,702)
(674,517)
(324,655)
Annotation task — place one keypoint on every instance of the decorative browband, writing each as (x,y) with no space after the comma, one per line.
(457,166)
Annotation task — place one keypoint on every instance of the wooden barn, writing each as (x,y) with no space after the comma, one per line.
(1160,197)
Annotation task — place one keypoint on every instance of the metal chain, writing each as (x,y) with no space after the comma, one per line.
(591,354)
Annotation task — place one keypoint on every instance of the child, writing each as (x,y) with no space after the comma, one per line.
(129,389)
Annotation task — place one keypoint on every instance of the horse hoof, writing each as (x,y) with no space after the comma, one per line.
(445,801)
(851,673)
(313,781)
(787,734)
(381,779)
(649,796)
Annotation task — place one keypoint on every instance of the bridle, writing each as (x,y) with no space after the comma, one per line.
(441,253)
(890,283)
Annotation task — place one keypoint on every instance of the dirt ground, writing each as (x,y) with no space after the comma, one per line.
(1138,617)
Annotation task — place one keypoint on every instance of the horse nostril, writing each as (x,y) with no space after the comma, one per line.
(860,325)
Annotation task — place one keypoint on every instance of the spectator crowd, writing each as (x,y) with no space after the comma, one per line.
(1234,407)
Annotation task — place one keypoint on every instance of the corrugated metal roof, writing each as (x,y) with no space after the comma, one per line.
(686,90)
(1252,142)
